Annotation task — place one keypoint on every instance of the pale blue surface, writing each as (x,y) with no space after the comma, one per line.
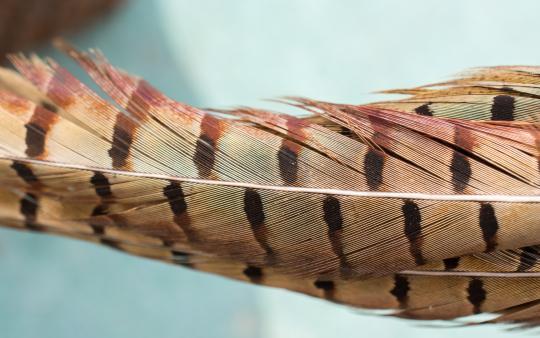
(235,52)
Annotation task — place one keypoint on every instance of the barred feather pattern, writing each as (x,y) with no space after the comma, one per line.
(428,206)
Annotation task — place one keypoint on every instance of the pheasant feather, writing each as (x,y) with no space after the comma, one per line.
(429,205)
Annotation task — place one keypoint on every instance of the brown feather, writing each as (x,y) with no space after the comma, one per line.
(435,217)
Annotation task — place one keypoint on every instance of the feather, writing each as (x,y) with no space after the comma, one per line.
(27,23)
(434,216)
(496,94)
(413,296)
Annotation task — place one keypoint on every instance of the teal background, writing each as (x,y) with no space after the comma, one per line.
(212,53)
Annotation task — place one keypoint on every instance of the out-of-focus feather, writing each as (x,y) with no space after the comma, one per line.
(369,206)
(26,23)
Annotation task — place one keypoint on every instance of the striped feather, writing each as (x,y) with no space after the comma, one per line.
(369,206)
(409,295)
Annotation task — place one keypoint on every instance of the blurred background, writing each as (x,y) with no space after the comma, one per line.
(212,53)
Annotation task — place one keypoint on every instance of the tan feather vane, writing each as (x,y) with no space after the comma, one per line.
(429,205)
